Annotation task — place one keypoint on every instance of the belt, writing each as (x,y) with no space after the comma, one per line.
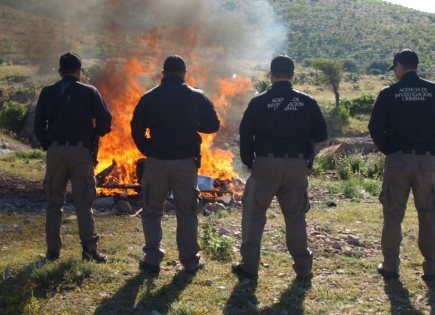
(280,155)
(417,152)
(73,143)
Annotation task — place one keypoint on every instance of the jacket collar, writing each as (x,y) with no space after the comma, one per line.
(409,76)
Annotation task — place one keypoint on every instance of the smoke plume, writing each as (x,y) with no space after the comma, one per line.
(225,32)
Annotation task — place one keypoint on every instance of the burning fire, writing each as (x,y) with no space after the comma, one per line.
(123,85)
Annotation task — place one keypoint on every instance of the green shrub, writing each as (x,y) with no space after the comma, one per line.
(337,119)
(323,163)
(343,114)
(219,247)
(24,155)
(326,228)
(31,155)
(316,170)
(372,186)
(355,162)
(374,166)
(353,190)
(261,85)
(332,189)
(361,105)
(343,169)
(378,66)
(12,116)
(350,65)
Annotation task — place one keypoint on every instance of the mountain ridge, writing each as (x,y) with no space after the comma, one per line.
(365,33)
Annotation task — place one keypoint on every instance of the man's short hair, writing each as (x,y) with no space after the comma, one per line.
(69,63)
(282,66)
(174,64)
(407,58)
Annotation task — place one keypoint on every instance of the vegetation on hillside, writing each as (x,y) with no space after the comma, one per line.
(366,32)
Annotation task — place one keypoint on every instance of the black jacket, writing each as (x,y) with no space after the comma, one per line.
(403,116)
(73,118)
(174,113)
(280,121)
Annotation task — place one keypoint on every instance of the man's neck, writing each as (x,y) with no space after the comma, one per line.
(406,72)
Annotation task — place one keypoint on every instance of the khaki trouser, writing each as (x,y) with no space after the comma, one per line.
(287,179)
(403,172)
(72,163)
(161,176)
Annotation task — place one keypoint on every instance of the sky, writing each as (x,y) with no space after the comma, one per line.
(422,5)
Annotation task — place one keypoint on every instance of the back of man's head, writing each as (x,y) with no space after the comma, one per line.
(69,63)
(407,58)
(282,66)
(174,64)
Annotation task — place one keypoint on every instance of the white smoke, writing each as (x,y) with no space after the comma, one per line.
(225,30)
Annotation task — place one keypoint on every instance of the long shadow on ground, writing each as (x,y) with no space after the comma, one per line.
(399,297)
(16,288)
(131,299)
(124,300)
(242,300)
(292,299)
(39,279)
(431,295)
(162,299)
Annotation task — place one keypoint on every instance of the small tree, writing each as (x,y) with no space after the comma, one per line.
(332,72)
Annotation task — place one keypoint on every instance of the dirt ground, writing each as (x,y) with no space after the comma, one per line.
(20,187)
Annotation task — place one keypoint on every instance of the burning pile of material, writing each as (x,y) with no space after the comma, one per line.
(120,162)
(208,35)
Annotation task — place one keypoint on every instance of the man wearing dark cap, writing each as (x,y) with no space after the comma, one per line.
(402,126)
(174,113)
(277,133)
(69,115)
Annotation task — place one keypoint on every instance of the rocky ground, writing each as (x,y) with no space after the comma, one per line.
(19,195)
(10,146)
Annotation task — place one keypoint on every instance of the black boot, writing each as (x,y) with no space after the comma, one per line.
(149,269)
(52,255)
(94,255)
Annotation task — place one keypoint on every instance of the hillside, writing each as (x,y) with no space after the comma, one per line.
(27,37)
(364,31)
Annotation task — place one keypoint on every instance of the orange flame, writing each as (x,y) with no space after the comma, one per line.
(216,162)
(124,82)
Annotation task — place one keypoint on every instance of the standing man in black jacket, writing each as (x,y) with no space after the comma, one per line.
(69,115)
(174,113)
(277,133)
(402,126)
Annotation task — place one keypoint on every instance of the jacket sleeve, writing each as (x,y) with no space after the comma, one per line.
(41,121)
(209,122)
(378,122)
(103,117)
(247,132)
(319,131)
(138,126)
